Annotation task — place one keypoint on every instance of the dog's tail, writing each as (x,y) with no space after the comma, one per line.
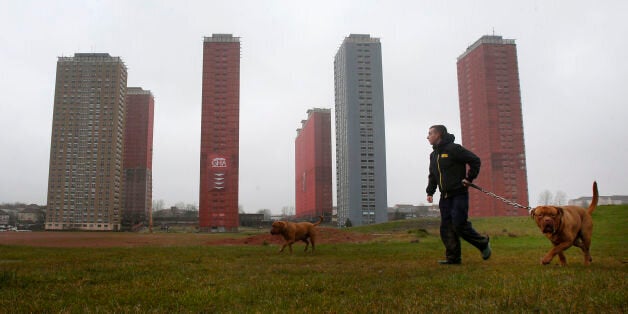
(594,199)
(320,219)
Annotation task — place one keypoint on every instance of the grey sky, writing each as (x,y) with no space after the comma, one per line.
(572,64)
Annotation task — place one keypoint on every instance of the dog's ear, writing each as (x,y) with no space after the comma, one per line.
(561,212)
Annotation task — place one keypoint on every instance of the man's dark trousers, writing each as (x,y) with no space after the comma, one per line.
(454,212)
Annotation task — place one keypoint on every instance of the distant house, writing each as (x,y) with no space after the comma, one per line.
(175,216)
(603,200)
(4,218)
(251,220)
(408,211)
(30,215)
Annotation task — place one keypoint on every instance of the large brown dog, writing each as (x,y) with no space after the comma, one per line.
(296,231)
(566,226)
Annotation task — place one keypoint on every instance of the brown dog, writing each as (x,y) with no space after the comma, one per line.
(566,226)
(296,231)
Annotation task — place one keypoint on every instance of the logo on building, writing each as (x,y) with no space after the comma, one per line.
(219,162)
(218,172)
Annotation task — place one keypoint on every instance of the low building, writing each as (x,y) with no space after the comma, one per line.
(175,216)
(4,218)
(31,215)
(408,211)
(12,212)
(252,220)
(603,200)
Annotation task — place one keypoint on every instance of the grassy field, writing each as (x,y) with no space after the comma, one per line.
(394,273)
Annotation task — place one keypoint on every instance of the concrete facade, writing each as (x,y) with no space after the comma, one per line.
(360,134)
(85,182)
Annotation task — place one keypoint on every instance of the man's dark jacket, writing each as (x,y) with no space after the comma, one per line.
(448,166)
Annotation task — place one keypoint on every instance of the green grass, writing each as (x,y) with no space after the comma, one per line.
(390,275)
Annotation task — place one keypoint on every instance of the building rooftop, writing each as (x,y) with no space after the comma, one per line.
(322,110)
(487,39)
(97,57)
(309,113)
(137,91)
(221,38)
(32,210)
(91,55)
(361,38)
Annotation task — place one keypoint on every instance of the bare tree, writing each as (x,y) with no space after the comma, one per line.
(287,211)
(560,198)
(545,198)
(158,205)
(266,213)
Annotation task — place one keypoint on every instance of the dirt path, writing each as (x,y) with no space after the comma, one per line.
(127,239)
(326,235)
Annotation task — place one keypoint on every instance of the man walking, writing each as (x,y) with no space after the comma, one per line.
(448,171)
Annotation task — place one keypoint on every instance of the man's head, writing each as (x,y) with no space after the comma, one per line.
(435,134)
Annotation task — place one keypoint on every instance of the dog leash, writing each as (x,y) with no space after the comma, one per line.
(507,201)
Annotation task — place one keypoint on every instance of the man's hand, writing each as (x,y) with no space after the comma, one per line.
(465,182)
(430,199)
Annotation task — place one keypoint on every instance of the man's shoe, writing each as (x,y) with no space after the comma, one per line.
(449,262)
(486,253)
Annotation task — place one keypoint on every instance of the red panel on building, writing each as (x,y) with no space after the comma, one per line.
(220,121)
(138,156)
(313,176)
(492,123)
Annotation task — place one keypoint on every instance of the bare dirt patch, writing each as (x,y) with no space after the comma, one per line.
(127,239)
(99,239)
(326,235)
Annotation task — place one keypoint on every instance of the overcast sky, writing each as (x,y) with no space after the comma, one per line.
(572,64)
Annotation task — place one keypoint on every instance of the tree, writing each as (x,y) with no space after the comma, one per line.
(266,213)
(399,215)
(545,198)
(287,211)
(158,205)
(560,198)
(348,223)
